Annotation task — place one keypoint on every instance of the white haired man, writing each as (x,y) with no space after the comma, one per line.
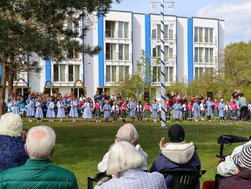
(125,165)
(38,172)
(127,133)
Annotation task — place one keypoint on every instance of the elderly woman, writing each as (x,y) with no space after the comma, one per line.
(125,165)
(12,153)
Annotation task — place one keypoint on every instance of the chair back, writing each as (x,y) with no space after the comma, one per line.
(183,179)
(98,179)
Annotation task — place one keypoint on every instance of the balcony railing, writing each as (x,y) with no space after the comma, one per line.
(115,34)
(118,56)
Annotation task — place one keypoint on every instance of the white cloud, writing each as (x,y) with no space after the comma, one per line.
(237,16)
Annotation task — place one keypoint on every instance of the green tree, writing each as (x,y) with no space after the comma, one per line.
(38,26)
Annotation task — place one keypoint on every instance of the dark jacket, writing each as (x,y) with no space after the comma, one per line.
(38,174)
(12,153)
(240,181)
(171,158)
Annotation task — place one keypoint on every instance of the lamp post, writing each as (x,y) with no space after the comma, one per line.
(162,62)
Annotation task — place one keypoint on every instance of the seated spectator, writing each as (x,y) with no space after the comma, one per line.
(176,155)
(38,172)
(242,177)
(227,167)
(12,153)
(129,134)
(125,165)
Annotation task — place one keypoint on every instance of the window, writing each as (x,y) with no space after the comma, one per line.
(114,74)
(166,31)
(108,73)
(73,54)
(211,35)
(123,72)
(169,74)
(196,34)
(206,35)
(73,25)
(121,51)
(123,30)
(55,72)
(156,73)
(198,55)
(59,72)
(200,34)
(209,55)
(109,29)
(70,73)
(198,72)
(111,51)
(156,51)
(170,33)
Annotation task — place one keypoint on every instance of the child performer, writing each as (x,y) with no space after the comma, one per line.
(146,110)
(216,110)
(202,110)
(221,109)
(87,114)
(196,109)
(30,110)
(234,109)
(177,109)
(15,107)
(115,111)
(74,109)
(168,109)
(50,110)
(190,111)
(97,110)
(132,107)
(107,110)
(209,108)
(155,109)
(139,110)
(39,111)
(123,110)
(61,108)
(184,111)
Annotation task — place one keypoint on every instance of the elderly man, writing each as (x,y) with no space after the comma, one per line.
(38,172)
(129,134)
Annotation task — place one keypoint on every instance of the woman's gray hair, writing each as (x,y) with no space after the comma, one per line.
(123,156)
(11,125)
(40,142)
(127,133)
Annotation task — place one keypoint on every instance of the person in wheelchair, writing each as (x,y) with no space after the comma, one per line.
(227,167)
(242,177)
(176,155)
(125,166)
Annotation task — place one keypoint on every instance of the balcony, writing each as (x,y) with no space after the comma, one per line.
(115,34)
(117,56)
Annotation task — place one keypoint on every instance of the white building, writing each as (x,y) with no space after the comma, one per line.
(192,46)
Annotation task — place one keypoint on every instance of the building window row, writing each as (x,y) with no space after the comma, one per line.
(117,51)
(203,55)
(116,30)
(168,32)
(168,52)
(203,35)
(156,74)
(199,71)
(64,72)
(116,73)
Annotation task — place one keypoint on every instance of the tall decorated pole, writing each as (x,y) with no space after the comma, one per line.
(162,71)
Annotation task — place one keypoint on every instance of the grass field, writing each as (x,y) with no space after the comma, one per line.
(81,145)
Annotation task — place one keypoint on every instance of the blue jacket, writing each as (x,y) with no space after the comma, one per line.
(12,153)
(162,162)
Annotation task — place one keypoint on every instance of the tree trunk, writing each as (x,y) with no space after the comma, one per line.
(2,89)
(10,82)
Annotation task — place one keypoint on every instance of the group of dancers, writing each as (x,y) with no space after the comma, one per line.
(106,108)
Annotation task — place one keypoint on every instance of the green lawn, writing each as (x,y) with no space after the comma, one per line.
(81,145)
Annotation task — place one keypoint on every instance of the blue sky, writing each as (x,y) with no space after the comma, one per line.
(236,13)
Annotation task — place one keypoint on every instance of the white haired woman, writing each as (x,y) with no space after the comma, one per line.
(125,165)
(12,153)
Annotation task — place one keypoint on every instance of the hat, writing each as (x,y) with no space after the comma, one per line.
(176,133)
(243,159)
